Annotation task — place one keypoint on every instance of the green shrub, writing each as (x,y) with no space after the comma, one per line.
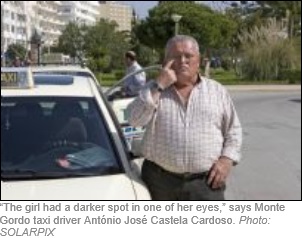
(107,80)
(108,77)
(224,76)
(265,54)
(292,76)
(119,74)
(107,83)
(219,71)
(226,63)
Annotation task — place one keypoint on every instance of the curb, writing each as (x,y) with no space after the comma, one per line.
(263,87)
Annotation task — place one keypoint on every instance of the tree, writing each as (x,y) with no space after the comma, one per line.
(71,42)
(281,10)
(16,50)
(290,10)
(105,47)
(145,54)
(255,16)
(101,45)
(211,29)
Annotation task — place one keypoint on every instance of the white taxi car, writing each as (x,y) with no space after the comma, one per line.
(133,135)
(60,141)
(119,104)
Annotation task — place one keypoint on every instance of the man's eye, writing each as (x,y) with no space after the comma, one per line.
(189,56)
(186,56)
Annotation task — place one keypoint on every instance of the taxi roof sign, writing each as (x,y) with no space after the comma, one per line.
(16,78)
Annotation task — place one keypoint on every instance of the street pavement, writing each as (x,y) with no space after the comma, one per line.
(271,157)
(272,88)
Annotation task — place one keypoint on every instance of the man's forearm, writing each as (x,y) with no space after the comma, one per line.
(141,110)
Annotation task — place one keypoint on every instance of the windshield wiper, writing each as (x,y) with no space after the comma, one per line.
(17,173)
(33,174)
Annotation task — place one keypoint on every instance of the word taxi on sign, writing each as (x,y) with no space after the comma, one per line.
(20,78)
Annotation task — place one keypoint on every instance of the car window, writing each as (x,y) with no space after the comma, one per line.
(54,137)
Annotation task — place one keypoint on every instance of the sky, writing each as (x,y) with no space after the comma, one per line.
(141,7)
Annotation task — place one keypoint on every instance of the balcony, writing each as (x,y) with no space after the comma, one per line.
(47,8)
(51,32)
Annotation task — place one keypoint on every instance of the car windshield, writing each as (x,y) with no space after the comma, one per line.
(54,137)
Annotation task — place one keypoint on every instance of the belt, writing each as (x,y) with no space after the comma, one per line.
(183,176)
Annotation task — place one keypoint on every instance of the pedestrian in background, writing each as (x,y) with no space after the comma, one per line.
(134,83)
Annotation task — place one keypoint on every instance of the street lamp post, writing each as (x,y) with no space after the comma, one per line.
(176,18)
(36,40)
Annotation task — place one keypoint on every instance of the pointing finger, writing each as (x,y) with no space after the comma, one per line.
(168,65)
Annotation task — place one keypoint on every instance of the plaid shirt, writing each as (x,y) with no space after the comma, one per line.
(188,139)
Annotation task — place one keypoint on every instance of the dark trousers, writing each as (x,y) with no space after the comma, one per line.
(165,185)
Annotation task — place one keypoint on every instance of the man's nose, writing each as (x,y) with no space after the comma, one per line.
(183,58)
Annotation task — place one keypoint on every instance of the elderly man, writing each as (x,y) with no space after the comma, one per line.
(193,135)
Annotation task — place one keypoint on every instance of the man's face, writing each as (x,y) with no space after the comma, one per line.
(186,59)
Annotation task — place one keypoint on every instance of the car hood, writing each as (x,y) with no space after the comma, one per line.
(113,187)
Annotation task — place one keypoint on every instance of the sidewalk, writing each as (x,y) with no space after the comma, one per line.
(263,87)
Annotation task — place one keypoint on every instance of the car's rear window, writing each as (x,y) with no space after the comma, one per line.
(54,137)
(61,72)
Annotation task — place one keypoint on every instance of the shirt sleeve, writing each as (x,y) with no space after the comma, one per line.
(134,83)
(140,78)
(137,82)
(232,130)
(142,109)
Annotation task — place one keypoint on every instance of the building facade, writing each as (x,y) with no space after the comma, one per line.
(82,12)
(14,22)
(114,11)
(20,20)
(47,19)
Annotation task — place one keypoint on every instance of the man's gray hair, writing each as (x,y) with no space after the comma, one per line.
(181,38)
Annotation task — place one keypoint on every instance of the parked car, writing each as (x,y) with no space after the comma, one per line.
(60,140)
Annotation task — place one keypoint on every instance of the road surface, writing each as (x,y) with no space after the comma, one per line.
(271,158)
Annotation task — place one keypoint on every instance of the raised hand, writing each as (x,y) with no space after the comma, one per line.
(167,75)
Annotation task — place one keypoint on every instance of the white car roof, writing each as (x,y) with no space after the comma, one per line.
(80,87)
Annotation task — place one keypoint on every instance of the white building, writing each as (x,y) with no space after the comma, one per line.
(83,12)
(114,11)
(14,21)
(20,18)
(47,19)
